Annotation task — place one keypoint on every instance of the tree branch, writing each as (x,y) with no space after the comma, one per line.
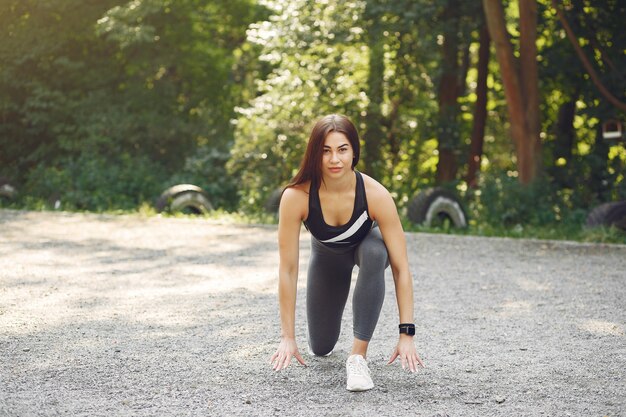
(583,58)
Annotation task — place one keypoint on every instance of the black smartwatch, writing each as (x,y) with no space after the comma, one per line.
(407,328)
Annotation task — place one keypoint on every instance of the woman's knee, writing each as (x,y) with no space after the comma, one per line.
(372,252)
(322,350)
(321,346)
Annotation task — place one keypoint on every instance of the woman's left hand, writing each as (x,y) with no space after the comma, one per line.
(407,353)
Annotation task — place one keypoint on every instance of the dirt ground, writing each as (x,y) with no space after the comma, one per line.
(124,315)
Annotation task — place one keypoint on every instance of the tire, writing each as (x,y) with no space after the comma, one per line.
(434,206)
(608,214)
(273,201)
(7,191)
(185,198)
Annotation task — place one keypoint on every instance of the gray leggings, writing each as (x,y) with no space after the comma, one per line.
(328,285)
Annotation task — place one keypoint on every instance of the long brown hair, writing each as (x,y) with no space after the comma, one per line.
(311,165)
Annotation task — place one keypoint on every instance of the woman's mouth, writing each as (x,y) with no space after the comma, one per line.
(335,169)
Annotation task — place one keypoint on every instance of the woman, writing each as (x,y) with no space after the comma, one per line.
(353,220)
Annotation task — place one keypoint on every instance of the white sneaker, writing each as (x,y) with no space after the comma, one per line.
(358,374)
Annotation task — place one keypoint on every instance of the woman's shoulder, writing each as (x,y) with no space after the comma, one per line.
(379,201)
(296,199)
(373,188)
(298,191)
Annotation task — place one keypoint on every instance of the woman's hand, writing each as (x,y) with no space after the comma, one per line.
(407,353)
(286,349)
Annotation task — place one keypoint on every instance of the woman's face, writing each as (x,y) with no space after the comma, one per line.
(337,156)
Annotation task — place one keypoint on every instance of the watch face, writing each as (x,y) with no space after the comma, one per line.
(408,330)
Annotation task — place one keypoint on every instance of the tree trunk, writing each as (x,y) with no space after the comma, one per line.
(529,75)
(391,123)
(448,132)
(480,110)
(525,141)
(564,141)
(565,132)
(600,182)
(373,136)
(465,64)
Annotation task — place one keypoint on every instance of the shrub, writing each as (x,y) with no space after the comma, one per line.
(503,202)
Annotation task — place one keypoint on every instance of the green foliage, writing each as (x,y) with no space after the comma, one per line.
(503,202)
(105,104)
(502,207)
(320,59)
(579,159)
(317,69)
(141,90)
(91,182)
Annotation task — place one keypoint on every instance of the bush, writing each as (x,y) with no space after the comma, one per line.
(90,182)
(503,202)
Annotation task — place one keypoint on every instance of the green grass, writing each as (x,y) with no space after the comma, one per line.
(571,232)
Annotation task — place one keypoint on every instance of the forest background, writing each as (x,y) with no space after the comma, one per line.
(104,104)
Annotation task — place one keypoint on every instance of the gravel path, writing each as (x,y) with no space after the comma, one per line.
(124,315)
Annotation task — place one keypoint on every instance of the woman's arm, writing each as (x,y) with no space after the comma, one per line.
(290,215)
(384,211)
(393,235)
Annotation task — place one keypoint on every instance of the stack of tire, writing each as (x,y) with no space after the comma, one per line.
(434,207)
(184,198)
(7,191)
(607,215)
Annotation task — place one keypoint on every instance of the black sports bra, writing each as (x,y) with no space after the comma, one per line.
(347,235)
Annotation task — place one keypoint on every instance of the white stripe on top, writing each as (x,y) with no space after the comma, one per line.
(351,231)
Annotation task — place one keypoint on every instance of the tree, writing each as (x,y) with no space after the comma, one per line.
(585,61)
(451,84)
(317,66)
(574,103)
(106,102)
(521,86)
(480,110)
(375,89)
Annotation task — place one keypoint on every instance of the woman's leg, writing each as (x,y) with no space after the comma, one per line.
(369,293)
(328,285)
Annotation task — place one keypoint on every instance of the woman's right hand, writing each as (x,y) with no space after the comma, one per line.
(286,349)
